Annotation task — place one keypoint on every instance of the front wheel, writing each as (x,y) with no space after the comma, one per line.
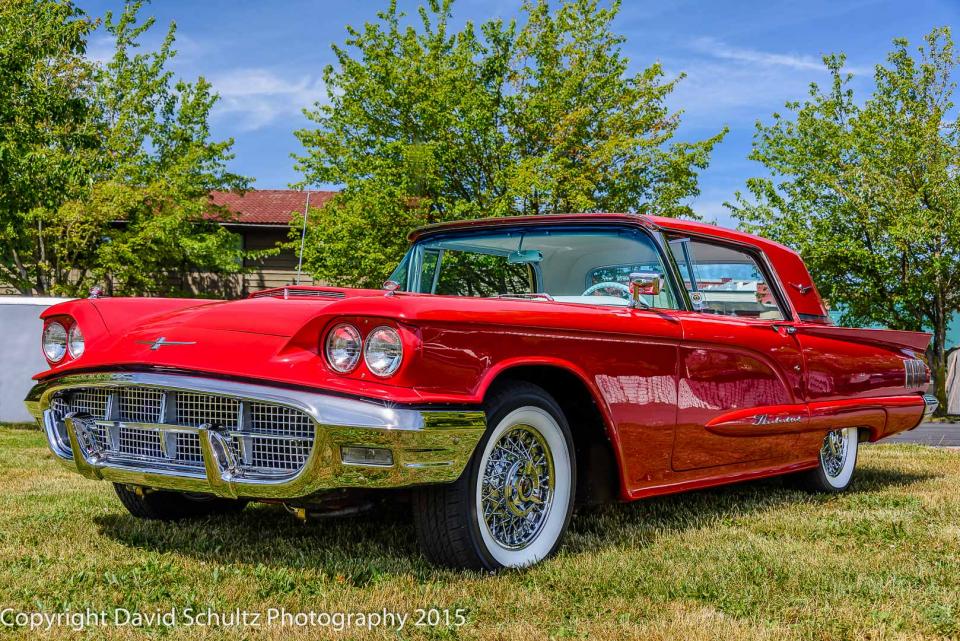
(512,505)
(838,459)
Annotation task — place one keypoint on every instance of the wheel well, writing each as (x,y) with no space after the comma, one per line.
(598,478)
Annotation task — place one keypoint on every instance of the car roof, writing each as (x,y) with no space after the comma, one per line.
(796,282)
(644,220)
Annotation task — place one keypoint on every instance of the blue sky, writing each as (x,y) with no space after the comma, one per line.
(743,60)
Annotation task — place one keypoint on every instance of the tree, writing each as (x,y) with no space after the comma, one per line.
(869,193)
(122,195)
(429,124)
(45,128)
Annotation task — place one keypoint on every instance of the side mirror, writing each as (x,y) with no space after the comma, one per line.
(644,283)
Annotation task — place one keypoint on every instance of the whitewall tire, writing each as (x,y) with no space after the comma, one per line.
(837,462)
(512,505)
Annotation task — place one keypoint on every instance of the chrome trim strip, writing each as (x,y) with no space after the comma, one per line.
(428,446)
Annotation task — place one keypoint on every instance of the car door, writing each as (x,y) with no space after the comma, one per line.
(740,381)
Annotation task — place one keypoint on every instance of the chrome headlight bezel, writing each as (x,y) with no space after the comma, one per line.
(335,353)
(75,341)
(53,341)
(383,351)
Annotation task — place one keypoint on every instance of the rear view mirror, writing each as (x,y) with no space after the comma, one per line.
(525,257)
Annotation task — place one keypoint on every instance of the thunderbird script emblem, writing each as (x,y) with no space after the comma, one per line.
(764,419)
(160,342)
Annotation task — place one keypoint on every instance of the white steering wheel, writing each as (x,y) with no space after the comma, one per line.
(625,290)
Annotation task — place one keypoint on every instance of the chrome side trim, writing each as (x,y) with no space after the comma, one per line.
(428,446)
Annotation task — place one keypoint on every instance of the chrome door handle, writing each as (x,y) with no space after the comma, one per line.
(784,329)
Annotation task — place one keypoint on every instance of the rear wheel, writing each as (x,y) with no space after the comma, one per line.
(838,459)
(170,506)
(512,505)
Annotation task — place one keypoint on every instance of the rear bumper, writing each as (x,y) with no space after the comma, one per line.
(426,446)
(930,405)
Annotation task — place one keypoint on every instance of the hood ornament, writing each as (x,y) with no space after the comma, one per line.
(160,342)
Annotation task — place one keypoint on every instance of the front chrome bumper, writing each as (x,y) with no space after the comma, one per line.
(428,446)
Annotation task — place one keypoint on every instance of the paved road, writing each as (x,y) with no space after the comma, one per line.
(929,434)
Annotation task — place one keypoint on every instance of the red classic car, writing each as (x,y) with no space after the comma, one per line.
(509,370)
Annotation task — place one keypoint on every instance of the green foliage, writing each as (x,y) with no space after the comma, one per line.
(45,132)
(869,192)
(107,167)
(426,124)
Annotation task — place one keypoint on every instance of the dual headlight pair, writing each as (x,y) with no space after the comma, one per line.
(382,352)
(57,341)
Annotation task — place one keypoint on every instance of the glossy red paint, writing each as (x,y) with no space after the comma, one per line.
(688,399)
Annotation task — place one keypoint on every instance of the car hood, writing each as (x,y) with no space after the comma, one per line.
(260,316)
(264,338)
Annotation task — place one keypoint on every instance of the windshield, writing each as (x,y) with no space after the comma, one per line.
(576,265)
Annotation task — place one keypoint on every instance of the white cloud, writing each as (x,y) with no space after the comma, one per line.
(718,49)
(254,98)
(101,47)
(732,85)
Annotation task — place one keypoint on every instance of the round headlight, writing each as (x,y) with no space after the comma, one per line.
(75,341)
(384,351)
(343,347)
(54,342)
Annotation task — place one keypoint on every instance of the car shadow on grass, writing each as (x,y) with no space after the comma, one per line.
(361,548)
(354,549)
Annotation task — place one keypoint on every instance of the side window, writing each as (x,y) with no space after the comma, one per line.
(430,260)
(725,280)
(473,274)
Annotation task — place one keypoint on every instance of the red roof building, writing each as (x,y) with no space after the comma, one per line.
(269,206)
(262,220)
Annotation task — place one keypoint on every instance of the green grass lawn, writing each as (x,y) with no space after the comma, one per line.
(753,561)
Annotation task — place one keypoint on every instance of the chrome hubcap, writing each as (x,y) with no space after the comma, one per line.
(833,454)
(517,487)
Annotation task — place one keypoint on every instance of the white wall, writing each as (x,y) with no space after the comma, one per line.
(20,356)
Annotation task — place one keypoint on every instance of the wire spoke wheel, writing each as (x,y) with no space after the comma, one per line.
(511,506)
(517,487)
(833,454)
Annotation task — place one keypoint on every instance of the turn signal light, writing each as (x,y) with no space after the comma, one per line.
(366,456)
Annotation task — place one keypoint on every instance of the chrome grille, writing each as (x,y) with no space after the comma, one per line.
(102,436)
(138,442)
(268,439)
(90,401)
(60,407)
(276,453)
(188,448)
(197,409)
(140,405)
(278,419)
(297,292)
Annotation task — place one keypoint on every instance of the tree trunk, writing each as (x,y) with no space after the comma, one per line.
(938,364)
